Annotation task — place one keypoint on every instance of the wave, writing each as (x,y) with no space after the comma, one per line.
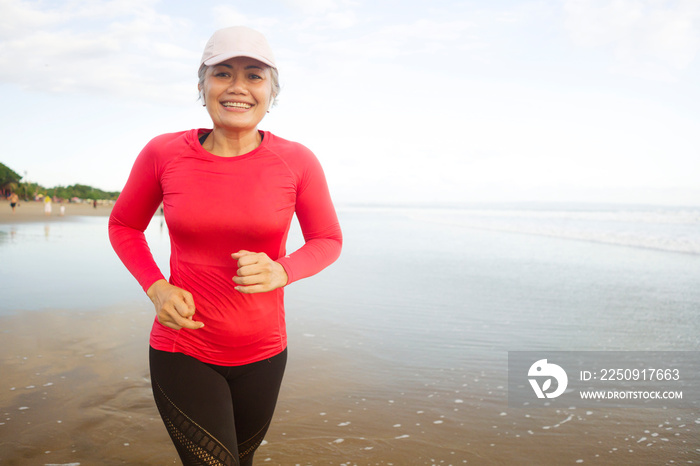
(664,229)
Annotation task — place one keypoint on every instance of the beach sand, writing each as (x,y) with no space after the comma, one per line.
(75,390)
(34,211)
(375,376)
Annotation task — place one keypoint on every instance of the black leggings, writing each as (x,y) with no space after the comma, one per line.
(215,415)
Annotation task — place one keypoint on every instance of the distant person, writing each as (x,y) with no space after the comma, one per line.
(218,343)
(14,200)
(94,204)
(47,205)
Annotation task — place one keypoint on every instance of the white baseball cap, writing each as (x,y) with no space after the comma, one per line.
(237,41)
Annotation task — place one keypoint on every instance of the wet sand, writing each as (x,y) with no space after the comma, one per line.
(75,390)
(376,375)
(34,211)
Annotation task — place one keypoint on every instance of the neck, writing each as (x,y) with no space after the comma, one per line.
(231,144)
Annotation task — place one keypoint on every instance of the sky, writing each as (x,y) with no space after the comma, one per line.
(443,101)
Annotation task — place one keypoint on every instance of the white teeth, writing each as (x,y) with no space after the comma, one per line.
(237,104)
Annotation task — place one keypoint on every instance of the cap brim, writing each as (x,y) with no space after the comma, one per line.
(215,60)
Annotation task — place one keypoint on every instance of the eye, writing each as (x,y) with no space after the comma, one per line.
(254,76)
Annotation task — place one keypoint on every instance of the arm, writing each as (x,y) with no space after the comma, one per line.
(258,273)
(319,225)
(131,215)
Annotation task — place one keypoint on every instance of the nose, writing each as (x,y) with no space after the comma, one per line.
(237,85)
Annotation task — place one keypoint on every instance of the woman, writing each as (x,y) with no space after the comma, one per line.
(47,205)
(218,343)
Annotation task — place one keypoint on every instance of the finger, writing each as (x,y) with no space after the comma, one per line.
(251,289)
(253,269)
(177,322)
(249,279)
(237,255)
(188,299)
(183,308)
(249,260)
(192,324)
(169,320)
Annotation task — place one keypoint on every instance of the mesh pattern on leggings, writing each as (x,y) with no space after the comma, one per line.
(195,445)
(249,446)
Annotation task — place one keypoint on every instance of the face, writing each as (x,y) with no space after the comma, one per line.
(238,93)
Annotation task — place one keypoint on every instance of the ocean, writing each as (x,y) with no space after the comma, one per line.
(399,351)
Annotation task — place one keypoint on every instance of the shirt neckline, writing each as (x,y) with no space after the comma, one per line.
(194,141)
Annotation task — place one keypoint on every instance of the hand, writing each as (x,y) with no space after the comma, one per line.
(257,273)
(174,306)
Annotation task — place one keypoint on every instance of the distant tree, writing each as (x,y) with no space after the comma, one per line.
(9,179)
(81,191)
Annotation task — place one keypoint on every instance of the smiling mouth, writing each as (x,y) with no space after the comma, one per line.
(236,105)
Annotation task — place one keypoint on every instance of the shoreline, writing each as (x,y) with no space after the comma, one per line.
(76,390)
(33,211)
(381,372)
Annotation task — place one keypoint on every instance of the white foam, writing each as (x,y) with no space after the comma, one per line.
(673,230)
(571,416)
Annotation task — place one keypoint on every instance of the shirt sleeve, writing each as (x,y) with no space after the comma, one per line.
(319,225)
(131,215)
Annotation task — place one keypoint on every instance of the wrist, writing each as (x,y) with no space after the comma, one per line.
(282,272)
(152,291)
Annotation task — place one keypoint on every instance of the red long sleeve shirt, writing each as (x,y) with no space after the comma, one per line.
(215,206)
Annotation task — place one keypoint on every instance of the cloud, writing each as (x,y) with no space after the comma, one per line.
(655,39)
(318,7)
(119,48)
(225,15)
(392,42)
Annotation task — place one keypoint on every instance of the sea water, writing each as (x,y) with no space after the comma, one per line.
(401,346)
(68,264)
(424,305)
(613,278)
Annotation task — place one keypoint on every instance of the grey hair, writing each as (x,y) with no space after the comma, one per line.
(274,74)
